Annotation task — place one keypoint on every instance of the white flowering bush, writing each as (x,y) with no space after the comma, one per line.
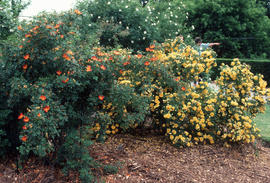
(130,25)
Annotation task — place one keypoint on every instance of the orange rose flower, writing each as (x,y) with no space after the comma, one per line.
(20,27)
(152,46)
(39,115)
(146,63)
(65,81)
(21,116)
(26,57)
(56,26)
(153,59)
(58,73)
(94,58)
(183,88)
(103,67)
(65,56)
(77,12)
(24,138)
(88,68)
(126,63)
(24,66)
(28,35)
(149,49)
(139,56)
(69,52)
(46,108)
(101,97)
(26,119)
(24,127)
(42,97)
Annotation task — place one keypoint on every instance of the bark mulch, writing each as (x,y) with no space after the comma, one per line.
(151,159)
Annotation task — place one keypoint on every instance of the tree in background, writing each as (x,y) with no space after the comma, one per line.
(133,24)
(9,13)
(266,4)
(241,26)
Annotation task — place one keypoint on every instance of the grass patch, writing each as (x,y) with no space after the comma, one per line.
(263,123)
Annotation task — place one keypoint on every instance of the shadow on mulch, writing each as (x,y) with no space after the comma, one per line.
(152,159)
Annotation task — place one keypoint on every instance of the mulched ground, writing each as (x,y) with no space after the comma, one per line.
(151,159)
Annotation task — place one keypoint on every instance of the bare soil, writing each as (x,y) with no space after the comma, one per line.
(152,159)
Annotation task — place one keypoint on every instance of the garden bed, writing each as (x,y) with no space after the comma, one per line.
(152,159)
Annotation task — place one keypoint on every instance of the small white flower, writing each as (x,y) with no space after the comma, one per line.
(98,17)
(109,3)
(192,27)
(143,38)
(144,32)
(126,6)
(89,25)
(132,41)
(120,22)
(120,10)
(127,27)
(137,9)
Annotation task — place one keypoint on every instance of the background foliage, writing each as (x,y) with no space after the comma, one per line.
(241,27)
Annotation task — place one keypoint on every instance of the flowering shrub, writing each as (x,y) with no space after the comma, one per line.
(59,94)
(200,112)
(241,96)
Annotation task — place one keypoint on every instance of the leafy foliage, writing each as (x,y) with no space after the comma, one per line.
(131,25)
(60,92)
(241,26)
(10,10)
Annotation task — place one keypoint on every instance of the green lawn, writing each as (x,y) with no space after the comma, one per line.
(263,123)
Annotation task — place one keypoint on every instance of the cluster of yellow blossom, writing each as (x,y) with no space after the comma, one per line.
(199,114)
(241,96)
(183,61)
